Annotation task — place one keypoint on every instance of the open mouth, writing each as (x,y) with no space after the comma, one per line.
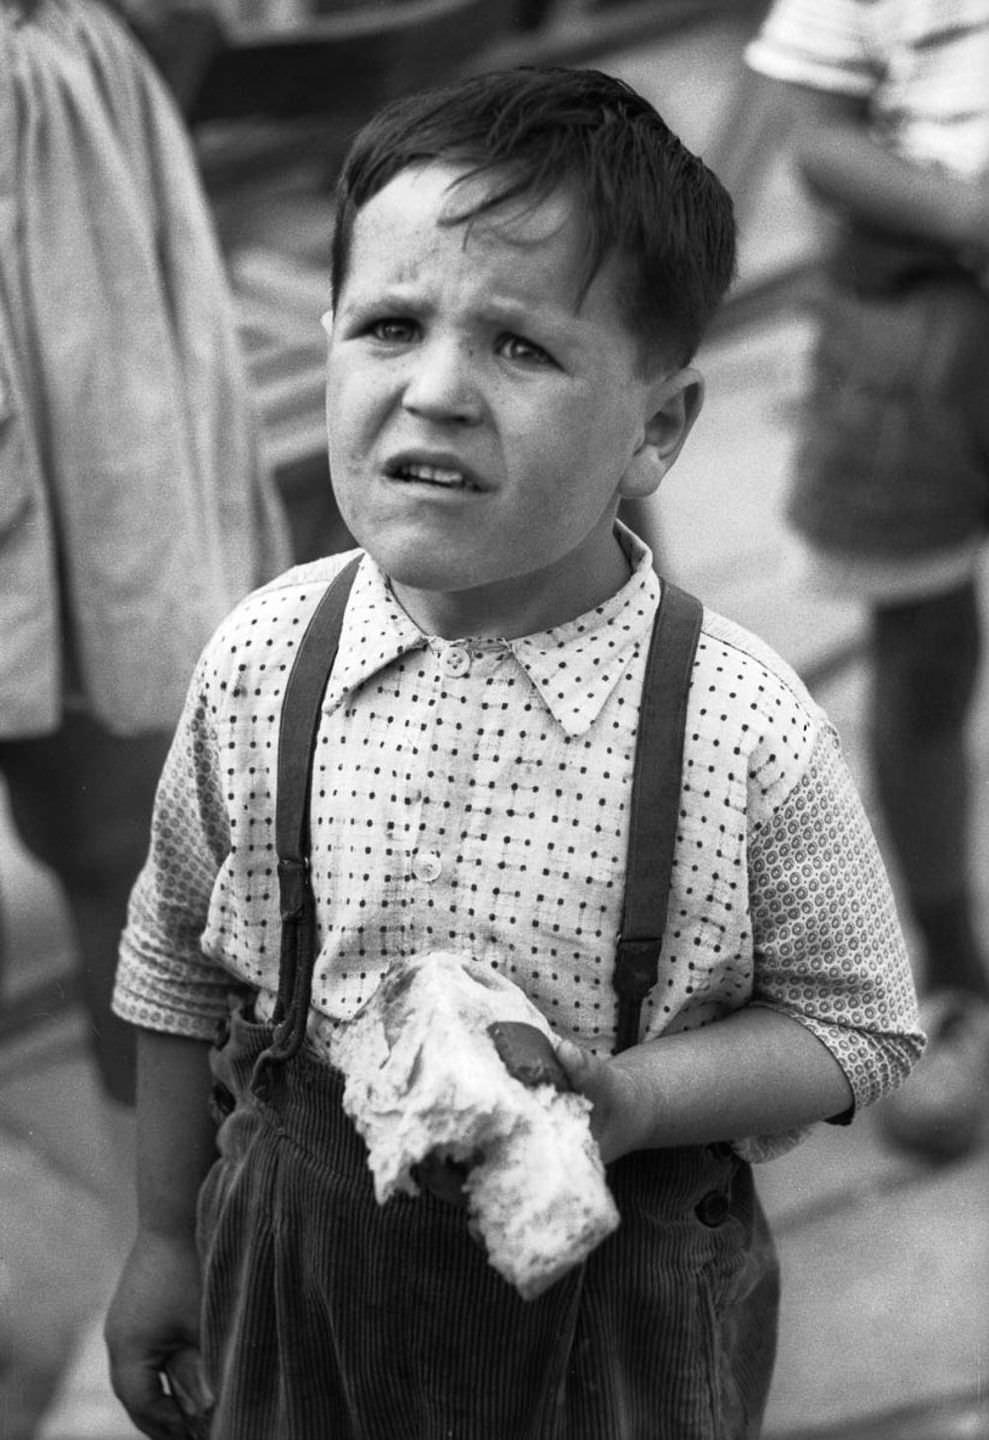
(442,477)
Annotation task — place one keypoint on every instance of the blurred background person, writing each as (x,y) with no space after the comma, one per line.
(134,504)
(890,492)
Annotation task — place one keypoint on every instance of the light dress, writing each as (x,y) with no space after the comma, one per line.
(134,505)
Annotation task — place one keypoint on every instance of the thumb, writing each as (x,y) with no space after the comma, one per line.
(576,1062)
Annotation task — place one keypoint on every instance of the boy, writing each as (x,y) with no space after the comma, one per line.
(523,265)
(889,492)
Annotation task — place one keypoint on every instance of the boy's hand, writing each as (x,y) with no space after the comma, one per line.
(443,1178)
(527,1054)
(152,1335)
(621,1109)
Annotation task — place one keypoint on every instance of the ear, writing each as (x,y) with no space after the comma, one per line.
(674,404)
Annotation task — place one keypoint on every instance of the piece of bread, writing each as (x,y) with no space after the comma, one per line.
(424,1078)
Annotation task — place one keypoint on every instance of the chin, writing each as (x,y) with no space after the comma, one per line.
(436,578)
(419,561)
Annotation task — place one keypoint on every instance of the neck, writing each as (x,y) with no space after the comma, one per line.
(520,605)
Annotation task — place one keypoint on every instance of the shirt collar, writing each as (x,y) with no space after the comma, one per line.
(376,631)
(574,667)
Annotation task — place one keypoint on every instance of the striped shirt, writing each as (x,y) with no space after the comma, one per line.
(473,795)
(923,65)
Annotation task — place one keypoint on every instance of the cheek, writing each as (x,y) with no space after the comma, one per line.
(584,456)
(346,416)
(556,436)
(331,392)
(360,400)
(347,380)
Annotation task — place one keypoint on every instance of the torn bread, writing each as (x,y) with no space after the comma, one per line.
(424,1078)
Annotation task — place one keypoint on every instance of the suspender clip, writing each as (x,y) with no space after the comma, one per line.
(636,966)
(293,888)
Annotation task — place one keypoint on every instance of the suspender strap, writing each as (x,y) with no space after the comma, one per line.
(655,805)
(301,707)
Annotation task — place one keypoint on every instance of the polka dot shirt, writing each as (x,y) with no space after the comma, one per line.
(473,794)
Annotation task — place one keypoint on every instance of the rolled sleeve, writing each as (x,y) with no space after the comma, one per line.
(829,951)
(164,980)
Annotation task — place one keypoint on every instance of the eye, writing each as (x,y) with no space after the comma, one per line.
(522,351)
(391,330)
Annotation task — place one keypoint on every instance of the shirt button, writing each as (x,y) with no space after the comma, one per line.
(456,660)
(427,865)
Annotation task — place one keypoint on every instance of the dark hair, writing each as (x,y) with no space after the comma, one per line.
(640,193)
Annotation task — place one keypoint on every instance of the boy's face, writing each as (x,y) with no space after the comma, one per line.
(482,428)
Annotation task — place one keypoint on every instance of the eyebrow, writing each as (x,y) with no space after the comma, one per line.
(515,314)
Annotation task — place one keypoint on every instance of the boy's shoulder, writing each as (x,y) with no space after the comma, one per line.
(267,622)
(289,599)
(749,707)
(300,585)
(735,659)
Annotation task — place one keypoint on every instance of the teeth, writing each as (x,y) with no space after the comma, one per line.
(434,474)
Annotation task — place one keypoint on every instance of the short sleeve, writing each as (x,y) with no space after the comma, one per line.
(824,46)
(164,980)
(829,950)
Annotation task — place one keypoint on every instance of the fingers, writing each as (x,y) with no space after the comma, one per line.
(443,1178)
(527,1054)
(187,1382)
(599,1082)
(152,1337)
(142,1393)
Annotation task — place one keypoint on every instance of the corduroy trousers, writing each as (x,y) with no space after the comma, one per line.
(329,1317)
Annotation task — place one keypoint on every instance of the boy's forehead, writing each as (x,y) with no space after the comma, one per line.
(420,207)
(443,196)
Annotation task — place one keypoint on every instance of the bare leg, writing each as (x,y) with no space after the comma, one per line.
(927,657)
(81,800)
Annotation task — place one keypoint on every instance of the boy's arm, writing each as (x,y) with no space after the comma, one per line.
(152,1329)
(165,981)
(851,172)
(755,1072)
(831,1019)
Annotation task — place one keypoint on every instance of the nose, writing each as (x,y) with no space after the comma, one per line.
(443,383)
